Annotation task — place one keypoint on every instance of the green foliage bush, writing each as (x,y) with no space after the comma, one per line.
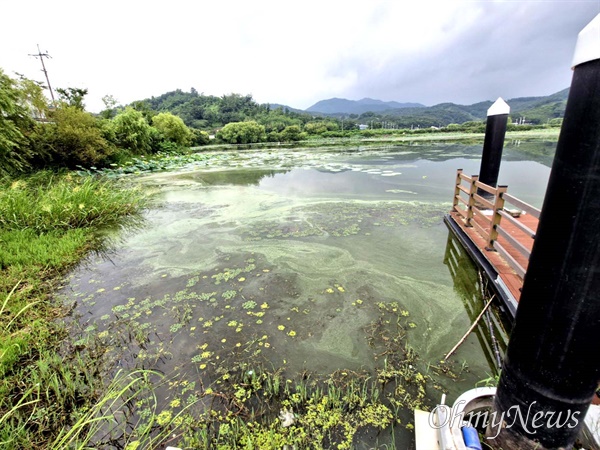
(292,133)
(320,127)
(200,137)
(274,136)
(73,138)
(242,133)
(340,133)
(315,128)
(277,122)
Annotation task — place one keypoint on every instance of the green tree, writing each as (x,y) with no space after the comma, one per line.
(173,129)
(242,133)
(236,108)
(32,97)
(15,124)
(132,131)
(110,104)
(73,97)
(145,108)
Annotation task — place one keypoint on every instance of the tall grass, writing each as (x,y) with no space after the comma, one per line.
(50,202)
(48,223)
(111,415)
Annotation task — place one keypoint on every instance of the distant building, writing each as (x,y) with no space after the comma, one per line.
(363,126)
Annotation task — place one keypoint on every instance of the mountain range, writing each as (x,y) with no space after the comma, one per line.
(532,109)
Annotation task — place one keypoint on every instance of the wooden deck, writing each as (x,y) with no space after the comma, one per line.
(504,269)
(500,235)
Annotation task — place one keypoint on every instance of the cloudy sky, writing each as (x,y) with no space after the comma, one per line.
(297,53)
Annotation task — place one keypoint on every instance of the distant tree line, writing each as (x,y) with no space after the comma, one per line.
(34,133)
(212,114)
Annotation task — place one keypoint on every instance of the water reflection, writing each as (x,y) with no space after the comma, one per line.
(231,177)
(493,330)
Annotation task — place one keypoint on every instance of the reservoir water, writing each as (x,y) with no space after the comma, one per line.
(304,261)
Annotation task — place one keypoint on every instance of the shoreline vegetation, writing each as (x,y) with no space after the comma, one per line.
(58,205)
(49,222)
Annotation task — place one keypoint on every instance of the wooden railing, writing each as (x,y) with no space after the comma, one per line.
(483,207)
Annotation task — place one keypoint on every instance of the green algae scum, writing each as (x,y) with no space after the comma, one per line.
(297,298)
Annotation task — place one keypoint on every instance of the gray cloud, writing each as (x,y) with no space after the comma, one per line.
(512,50)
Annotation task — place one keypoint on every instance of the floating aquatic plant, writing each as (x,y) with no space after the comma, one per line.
(228,295)
(250,304)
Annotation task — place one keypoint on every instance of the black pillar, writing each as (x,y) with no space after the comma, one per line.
(495,130)
(552,364)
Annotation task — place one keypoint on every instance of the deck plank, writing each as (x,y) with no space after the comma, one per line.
(512,281)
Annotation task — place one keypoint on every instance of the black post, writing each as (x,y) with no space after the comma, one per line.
(495,130)
(552,364)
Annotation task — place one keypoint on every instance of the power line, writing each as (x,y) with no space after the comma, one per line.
(42,56)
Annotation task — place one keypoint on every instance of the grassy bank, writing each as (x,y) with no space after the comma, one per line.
(48,223)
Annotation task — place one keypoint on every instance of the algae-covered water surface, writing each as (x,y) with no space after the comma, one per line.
(268,282)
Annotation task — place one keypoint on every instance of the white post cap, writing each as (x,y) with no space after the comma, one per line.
(588,43)
(499,107)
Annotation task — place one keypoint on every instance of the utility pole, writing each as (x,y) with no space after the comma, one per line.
(42,56)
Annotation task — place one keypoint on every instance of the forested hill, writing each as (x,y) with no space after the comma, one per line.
(208,112)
